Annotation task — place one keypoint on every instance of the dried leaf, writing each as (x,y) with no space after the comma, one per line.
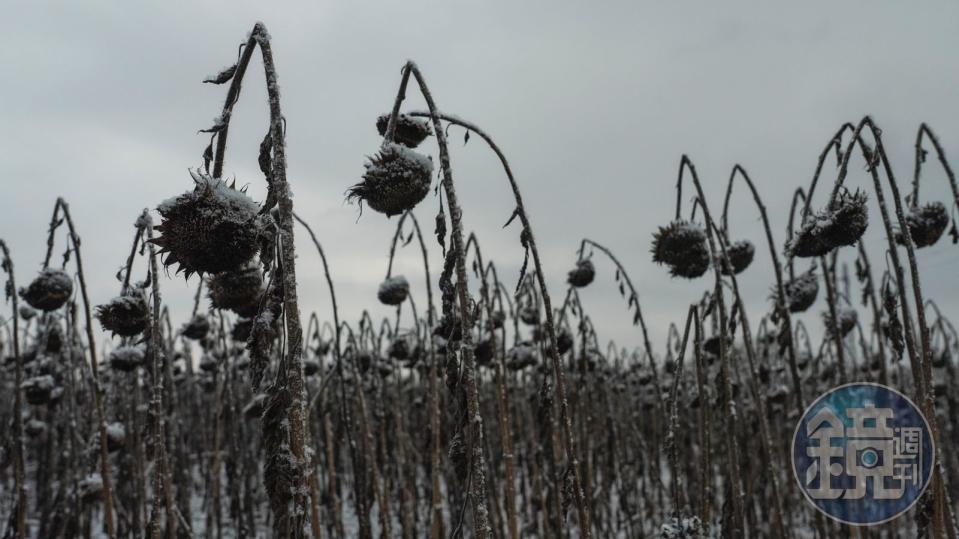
(223,76)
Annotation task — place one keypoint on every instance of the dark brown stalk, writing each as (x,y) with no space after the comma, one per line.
(552,349)
(279,188)
(163,483)
(926,132)
(876,313)
(502,397)
(477,486)
(19,473)
(107,495)
(671,443)
(782,304)
(732,452)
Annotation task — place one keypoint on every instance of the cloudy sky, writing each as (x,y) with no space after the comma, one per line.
(593,103)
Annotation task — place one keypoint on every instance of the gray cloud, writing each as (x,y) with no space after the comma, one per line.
(593,104)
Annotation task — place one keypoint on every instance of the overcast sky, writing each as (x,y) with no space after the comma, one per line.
(593,103)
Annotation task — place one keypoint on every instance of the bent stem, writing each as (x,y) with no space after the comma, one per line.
(553,350)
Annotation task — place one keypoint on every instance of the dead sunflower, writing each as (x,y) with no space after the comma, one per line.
(49,291)
(211,229)
(740,256)
(238,290)
(197,328)
(582,275)
(801,292)
(394,290)
(846,317)
(842,223)
(396,180)
(926,224)
(127,358)
(125,315)
(409,132)
(681,245)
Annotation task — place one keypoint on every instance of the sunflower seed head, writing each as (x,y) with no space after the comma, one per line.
(49,291)
(210,229)
(127,315)
(393,290)
(410,131)
(740,256)
(681,245)
(396,180)
(238,290)
(583,274)
(801,292)
(839,225)
(926,224)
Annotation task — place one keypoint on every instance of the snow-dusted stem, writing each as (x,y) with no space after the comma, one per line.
(502,397)
(732,451)
(553,350)
(107,494)
(926,132)
(162,482)
(477,488)
(19,474)
(782,305)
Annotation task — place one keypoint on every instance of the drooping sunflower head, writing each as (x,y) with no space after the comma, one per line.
(926,224)
(409,132)
(393,290)
(396,179)
(682,247)
(49,291)
(211,229)
(197,328)
(126,315)
(583,274)
(801,292)
(740,256)
(238,290)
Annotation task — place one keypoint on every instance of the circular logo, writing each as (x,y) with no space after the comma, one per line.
(863,453)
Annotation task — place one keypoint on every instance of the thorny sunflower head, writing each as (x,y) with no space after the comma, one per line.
(211,229)
(49,291)
(393,290)
(583,274)
(801,292)
(739,257)
(238,290)
(842,223)
(396,179)
(126,315)
(681,245)
(409,132)
(926,224)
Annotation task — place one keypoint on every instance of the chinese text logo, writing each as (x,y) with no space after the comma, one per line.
(863,453)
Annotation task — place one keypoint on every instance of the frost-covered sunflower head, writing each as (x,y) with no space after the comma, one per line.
(739,257)
(49,291)
(583,274)
(238,290)
(926,224)
(409,131)
(396,179)
(211,229)
(126,315)
(393,290)
(682,247)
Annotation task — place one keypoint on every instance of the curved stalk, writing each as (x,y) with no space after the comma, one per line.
(19,471)
(520,211)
